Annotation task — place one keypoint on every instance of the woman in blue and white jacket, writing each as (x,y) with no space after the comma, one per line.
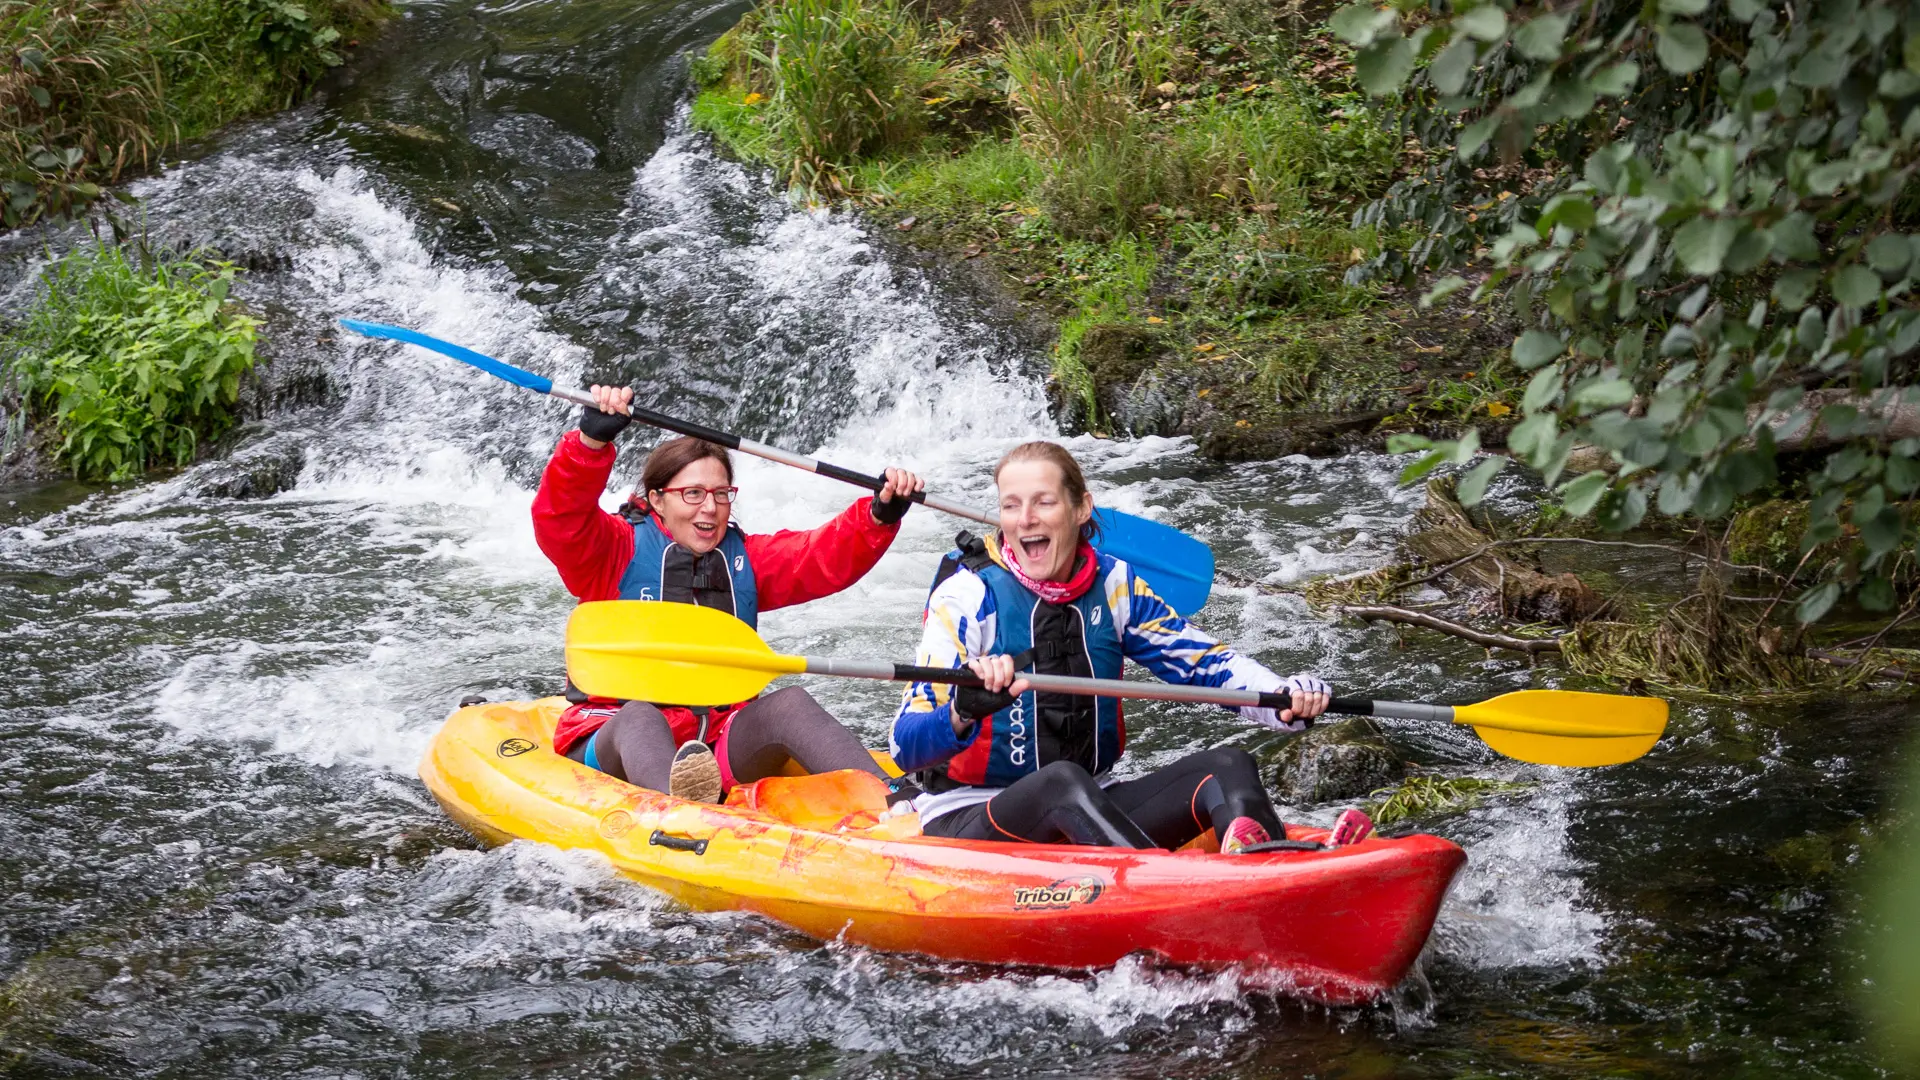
(1010,763)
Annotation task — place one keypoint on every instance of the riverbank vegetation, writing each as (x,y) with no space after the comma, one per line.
(1666,257)
(1173,181)
(92,91)
(133,358)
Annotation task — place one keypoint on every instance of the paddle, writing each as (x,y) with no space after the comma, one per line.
(1179,567)
(652,651)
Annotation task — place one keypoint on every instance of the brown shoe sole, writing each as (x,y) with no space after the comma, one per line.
(695,777)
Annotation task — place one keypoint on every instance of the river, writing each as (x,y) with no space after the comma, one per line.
(216,859)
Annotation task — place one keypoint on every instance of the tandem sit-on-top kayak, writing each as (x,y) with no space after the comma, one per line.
(1335,925)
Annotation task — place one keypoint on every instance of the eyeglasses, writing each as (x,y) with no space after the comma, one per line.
(694,496)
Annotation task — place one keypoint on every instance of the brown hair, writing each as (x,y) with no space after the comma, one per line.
(667,459)
(1071,477)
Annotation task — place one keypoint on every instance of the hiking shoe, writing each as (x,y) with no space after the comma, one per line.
(1350,828)
(696,773)
(1242,833)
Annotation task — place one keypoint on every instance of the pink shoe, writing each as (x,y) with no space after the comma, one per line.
(1242,833)
(1351,828)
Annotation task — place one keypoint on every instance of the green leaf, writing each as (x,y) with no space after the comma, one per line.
(1423,466)
(1882,532)
(1623,510)
(1911,53)
(1573,211)
(1682,7)
(1450,69)
(1383,66)
(1475,135)
(1542,391)
(1793,238)
(1820,67)
(1817,601)
(1889,253)
(1442,289)
(1702,244)
(1603,393)
(1795,287)
(1536,347)
(1580,494)
(1615,80)
(1677,494)
(1750,246)
(1539,38)
(1534,438)
(1407,442)
(1681,47)
(1856,286)
(1473,486)
(1488,23)
(1903,474)
(1359,24)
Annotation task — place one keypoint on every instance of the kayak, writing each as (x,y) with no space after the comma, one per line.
(1339,926)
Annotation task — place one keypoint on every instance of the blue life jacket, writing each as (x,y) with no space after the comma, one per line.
(663,570)
(1076,638)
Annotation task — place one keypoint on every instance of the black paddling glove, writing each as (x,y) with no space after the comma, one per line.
(974,703)
(595,424)
(890,511)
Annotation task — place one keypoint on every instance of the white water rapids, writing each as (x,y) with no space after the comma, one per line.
(304,647)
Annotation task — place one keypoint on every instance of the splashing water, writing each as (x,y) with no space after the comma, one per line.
(218,859)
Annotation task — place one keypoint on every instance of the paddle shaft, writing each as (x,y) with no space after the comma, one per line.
(772,453)
(1206,695)
(1068,684)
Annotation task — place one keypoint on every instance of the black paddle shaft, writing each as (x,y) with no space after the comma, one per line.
(774,453)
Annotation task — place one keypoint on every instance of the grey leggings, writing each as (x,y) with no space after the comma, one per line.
(636,744)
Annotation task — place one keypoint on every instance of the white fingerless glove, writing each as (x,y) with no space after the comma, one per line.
(1298,684)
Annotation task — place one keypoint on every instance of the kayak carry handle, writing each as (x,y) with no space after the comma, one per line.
(677,843)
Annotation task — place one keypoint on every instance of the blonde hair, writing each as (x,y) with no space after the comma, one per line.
(1071,477)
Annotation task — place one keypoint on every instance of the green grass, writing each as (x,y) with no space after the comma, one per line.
(1430,796)
(94,89)
(1108,151)
(137,358)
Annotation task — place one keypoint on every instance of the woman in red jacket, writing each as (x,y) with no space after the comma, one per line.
(675,541)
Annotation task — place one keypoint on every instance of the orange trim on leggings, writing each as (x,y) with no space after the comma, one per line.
(988,807)
(1193,804)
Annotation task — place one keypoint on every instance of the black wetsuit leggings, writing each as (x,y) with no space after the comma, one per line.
(636,744)
(1061,803)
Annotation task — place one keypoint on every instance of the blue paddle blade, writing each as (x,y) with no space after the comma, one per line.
(488,364)
(1179,567)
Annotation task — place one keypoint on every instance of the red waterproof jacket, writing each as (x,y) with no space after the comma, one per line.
(591,548)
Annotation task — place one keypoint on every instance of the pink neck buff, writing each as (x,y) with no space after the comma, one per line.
(1055,592)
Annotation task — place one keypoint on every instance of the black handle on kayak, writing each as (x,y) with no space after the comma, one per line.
(678,843)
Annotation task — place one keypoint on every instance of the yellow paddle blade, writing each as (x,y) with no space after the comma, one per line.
(1567,727)
(677,654)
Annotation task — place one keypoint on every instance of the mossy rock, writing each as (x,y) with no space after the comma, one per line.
(1345,761)
(1116,354)
(1768,534)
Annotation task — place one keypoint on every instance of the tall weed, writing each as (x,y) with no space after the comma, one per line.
(137,357)
(846,78)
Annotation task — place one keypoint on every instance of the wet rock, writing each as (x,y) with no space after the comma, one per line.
(1332,762)
(255,471)
(288,376)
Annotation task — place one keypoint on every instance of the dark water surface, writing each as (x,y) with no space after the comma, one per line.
(215,859)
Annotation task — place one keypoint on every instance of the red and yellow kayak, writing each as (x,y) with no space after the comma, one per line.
(1339,926)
